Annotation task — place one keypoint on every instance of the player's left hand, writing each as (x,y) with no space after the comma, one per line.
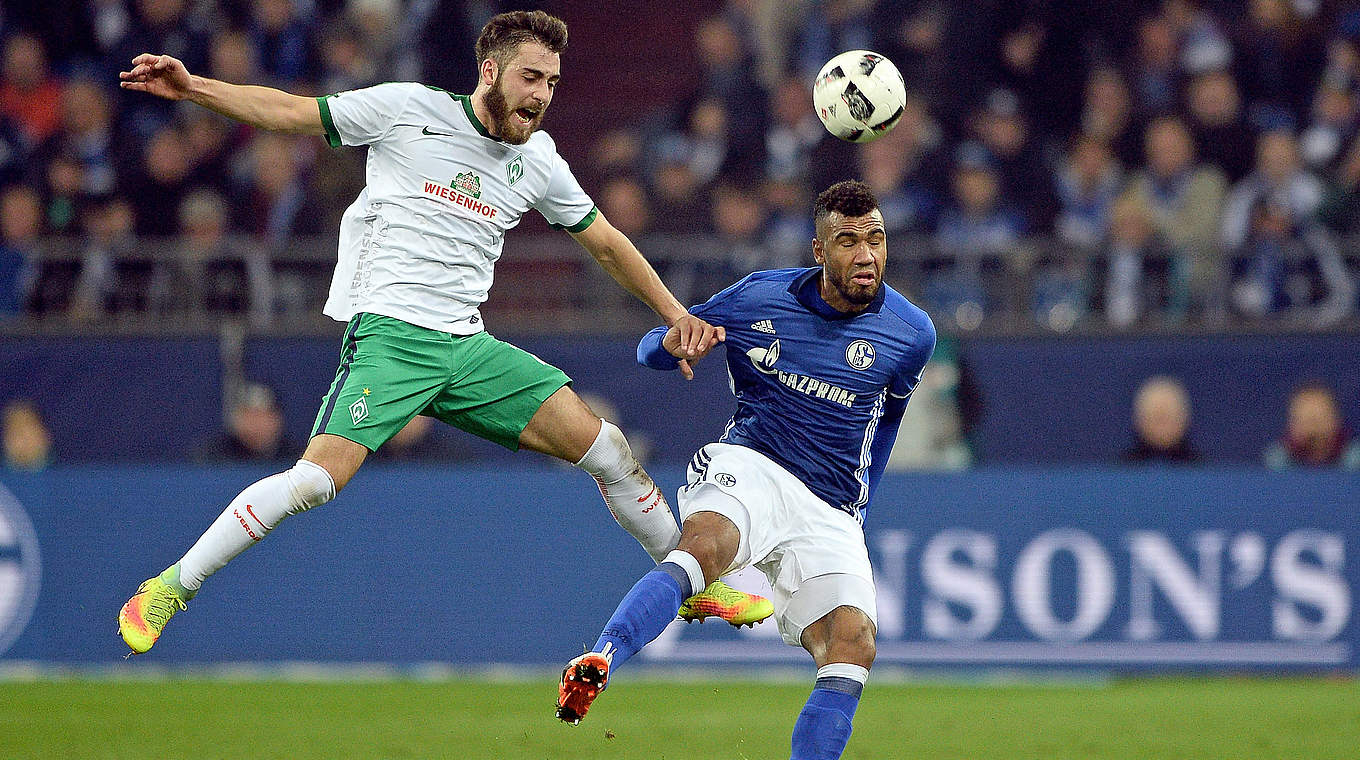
(690,339)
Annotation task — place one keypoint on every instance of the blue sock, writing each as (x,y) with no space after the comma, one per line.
(823,727)
(644,612)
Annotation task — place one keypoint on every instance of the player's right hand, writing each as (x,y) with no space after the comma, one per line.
(689,340)
(161,75)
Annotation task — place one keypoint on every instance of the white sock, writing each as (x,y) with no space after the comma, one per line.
(634,500)
(844,670)
(691,565)
(251,515)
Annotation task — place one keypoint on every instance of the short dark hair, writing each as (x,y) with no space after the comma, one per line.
(506,31)
(848,198)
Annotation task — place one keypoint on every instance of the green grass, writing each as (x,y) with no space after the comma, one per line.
(656,720)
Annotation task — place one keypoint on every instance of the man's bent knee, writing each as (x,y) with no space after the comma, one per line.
(339,457)
(712,539)
(846,634)
(563,427)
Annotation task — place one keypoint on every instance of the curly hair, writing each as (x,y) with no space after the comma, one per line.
(847,198)
(506,31)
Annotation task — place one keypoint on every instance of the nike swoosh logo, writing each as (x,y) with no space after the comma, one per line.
(251,510)
(426,131)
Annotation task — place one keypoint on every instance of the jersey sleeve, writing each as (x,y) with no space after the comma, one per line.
(564,204)
(650,352)
(719,309)
(363,117)
(913,363)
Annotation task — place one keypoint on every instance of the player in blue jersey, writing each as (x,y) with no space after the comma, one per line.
(822,362)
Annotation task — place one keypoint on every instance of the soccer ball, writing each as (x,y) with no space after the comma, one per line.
(859,95)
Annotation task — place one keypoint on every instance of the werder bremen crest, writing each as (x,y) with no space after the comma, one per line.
(515,169)
(467,183)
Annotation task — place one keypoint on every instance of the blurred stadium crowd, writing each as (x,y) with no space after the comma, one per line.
(1183,164)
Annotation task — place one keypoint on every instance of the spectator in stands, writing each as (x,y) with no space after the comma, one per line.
(1003,128)
(275,204)
(1315,434)
(624,203)
(1088,181)
(828,28)
(1201,43)
(1161,424)
(1133,274)
(728,76)
(680,203)
(63,193)
(282,35)
(20,226)
(1155,72)
(708,140)
(905,169)
(166,26)
(1280,55)
(233,57)
(1279,180)
(161,178)
(794,131)
(978,218)
(212,275)
(1282,258)
(346,63)
(111,278)
(914,35)
(1214,115)
(788,228)
(1184,199)
(1107,115)
(739,225)
(1335,117)
(85,133)
(977,229)
(254,431)
(30,95)
(27,442)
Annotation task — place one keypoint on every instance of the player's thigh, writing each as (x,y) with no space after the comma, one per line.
(733,482)
(512,398)
(845,634)
(389,372)
(563,427)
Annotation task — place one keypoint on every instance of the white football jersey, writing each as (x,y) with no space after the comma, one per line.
(420,242)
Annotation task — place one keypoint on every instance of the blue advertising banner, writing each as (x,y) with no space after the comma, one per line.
(1134,569)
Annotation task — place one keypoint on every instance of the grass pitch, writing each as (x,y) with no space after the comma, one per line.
(659,720)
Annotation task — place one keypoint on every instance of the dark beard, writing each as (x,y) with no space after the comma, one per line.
(855,294)
(499,109)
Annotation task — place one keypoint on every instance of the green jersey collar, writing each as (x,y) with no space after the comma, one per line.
(472,116)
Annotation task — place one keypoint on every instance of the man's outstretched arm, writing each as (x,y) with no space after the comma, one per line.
(692,337)
(263,107)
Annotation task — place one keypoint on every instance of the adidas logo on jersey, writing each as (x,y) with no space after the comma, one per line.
(764,325)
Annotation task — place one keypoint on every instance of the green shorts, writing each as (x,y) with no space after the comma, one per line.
(391,371)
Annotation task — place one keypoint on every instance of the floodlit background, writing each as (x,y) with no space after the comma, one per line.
(1135,225)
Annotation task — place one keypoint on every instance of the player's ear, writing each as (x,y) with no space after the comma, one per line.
(818,255)
(489,71)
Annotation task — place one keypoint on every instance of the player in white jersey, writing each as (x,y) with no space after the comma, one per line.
(448,175)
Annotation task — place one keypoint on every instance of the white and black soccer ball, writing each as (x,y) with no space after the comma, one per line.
(859,95)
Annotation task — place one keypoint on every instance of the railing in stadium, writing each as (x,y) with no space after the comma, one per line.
(546,283)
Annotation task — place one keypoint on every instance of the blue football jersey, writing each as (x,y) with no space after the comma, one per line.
(819,391)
